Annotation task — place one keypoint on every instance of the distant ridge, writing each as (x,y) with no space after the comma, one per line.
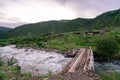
(105,20)
(4,29)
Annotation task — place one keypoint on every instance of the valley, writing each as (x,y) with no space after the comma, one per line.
(45,45)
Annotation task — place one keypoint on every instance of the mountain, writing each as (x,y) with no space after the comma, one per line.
(4,29)
(108,19)
(48,27)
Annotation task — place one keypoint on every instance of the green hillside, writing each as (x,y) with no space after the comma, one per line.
(105,20)
(3,30)
(48,27)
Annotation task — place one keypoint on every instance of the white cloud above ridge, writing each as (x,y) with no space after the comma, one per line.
(36,10)
(31,11)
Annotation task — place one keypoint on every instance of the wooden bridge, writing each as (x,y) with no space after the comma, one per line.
(81,67)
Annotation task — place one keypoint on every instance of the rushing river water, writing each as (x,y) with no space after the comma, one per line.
(113,66)
(37,62)
(40,62)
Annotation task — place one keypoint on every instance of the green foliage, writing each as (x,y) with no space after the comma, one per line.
(47,27)
(48,75)
(11,61)
(104,21)
(106,47)
(3,43)
(12,72)
(68,41)
(40,44)
(1,62)
(3,30)
(110,76)
(63,43)
(26,76)
(118,38)
(56,41)
(2,76)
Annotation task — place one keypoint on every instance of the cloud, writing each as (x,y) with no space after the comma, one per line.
(36,10)
(30,11)
(91,8)
(62,2)
(12,25)
(5,18)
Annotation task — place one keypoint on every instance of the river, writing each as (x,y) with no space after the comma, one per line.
(40,62)
(37,62)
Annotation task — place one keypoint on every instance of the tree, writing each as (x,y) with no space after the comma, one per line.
(107,48)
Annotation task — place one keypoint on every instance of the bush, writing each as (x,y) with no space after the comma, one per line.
(107,48)
(118,38)
(110,76)
(1,76)
(11,61)
(3,43)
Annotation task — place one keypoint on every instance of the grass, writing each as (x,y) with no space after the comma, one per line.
(53,41)
(2,76)
(8,72)
(110,76)
(62,43)
(69,41)
(11,61)
(1,62)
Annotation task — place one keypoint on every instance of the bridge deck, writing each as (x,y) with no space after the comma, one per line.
(81,67)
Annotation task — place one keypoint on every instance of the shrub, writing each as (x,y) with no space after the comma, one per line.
(106,47)
(1,76)
(110,76)
(3,43)
(118,38)
(11,61)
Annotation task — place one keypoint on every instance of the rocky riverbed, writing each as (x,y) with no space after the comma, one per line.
(37,62)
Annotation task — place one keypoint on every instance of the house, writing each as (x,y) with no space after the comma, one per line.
(96,33)
(107,30)
(92,33)
(60,35)
(88,33)
(77,33)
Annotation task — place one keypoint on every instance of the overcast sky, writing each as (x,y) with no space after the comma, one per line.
(16,12)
